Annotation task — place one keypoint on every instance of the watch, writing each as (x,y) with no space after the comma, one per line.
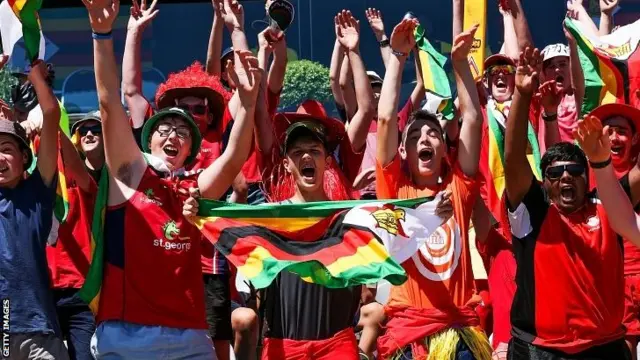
(384,43)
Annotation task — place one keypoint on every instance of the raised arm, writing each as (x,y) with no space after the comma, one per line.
(216,179)
(518,174)
(278,65)
(233,15)
(263,127)
(576,10)
(402,41)
(510,45)
(48,152)
(471,130)
(374,17)
(123,157)
(334,71)
(523,34)
(141,16)
(606,16)
(419,92)
(346,87)
(550,99)
(74,164)
(214,49)
(349,36)
(594,140)
(458,17)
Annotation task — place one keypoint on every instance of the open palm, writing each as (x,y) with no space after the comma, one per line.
(102,14)
(349,32)
(529,68)
(141,16)
(402,38)
(375,20)
(593,138)
(246,73)
(462,44)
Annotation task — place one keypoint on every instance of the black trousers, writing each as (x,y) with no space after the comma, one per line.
(521,350)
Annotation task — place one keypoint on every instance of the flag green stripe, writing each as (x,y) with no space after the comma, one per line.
(212,208)
(591,68)
(359,275)
(31,28)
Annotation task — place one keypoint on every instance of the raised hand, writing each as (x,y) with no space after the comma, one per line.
(141,16)
(593,138)
(218,6)
(462,44)
(102,14)
(528,70)
(233,15)
(4,59)
(607,6)
(402,38)
(246,74)
(264,40)
(374,17)
(503,7)
(348,31)
(551,97)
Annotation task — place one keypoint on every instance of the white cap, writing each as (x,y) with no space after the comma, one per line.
(374,77)
(555,50)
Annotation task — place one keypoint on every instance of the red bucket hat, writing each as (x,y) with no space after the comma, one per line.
(629,112)
(193,81)
(331,131)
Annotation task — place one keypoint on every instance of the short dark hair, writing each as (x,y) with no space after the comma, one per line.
(563,151)
(422,115)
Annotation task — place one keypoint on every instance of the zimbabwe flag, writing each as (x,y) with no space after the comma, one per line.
(436,82)
(19,19)
(611,64)
(334,244)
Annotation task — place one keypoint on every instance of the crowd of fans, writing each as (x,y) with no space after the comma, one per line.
(547,196)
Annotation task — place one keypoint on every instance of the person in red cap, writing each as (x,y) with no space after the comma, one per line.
(623,122)
(153,301)
(432,314)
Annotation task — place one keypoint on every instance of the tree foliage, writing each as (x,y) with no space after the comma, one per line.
(303,80)
(6,81)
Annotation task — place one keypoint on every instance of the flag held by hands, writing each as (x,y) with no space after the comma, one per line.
(334,244)
(19,20)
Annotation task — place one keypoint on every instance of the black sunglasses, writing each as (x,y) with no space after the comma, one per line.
(95,130)
(198,109)
(555,172)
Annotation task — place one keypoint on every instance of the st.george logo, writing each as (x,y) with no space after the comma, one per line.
(170,230)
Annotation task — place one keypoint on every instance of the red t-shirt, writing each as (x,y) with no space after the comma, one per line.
(69,259)
(570,284)
(152,273)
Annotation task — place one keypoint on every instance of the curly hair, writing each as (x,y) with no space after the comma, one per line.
(194,76)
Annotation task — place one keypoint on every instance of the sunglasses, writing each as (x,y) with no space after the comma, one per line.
(165,130)
(556,172)
(95,130)
(198,109)
(501,69)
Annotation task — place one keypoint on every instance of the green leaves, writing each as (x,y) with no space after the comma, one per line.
(303,80)
(6,81)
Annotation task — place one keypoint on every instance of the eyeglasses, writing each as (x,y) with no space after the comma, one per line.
(95,130)
(197,109)
(555,172)
(165,130)
(501,69)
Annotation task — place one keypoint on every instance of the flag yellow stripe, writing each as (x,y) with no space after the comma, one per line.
(609,86)
(276,224)
(426,70)
(369,254)
(495,165)
(253,266)
(18,5)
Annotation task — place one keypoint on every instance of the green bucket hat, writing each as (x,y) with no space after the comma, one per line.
(196,137)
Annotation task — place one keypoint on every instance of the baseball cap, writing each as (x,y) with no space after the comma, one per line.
(305,127)
(16,130)
(555,50)
(374,78)
(226,52)
(91,116)
(196,137)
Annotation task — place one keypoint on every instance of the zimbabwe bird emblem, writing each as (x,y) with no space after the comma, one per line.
(388,218)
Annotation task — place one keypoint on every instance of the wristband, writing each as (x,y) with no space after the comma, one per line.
(600,165)
(384,43)
(549,117)
(398,53)
(101,36)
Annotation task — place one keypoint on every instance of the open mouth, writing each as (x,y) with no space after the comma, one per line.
(3,169)
(617,150)
(501,84)
(559,79)
(425,154)
(567,193)
(308,171)
(170,150)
